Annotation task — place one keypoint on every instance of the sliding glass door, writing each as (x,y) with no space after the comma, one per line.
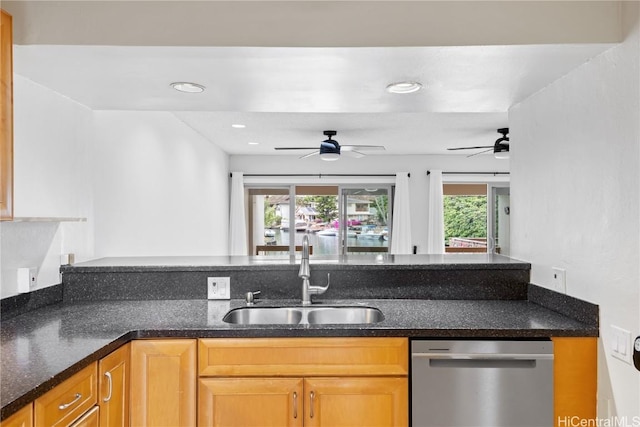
(337,220)
(365,219)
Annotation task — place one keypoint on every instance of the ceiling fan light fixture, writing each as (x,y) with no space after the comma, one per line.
(187,87)
(404,87)
(329,157)
(329,150)
(501,154)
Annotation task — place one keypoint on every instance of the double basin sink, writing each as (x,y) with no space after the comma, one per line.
(318,315)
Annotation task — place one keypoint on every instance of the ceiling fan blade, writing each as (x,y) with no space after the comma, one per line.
(480,152)
(353,153)
(362,147)
(470,148)
(295,148)
(315,153)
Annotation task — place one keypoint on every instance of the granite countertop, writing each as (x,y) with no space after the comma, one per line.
(42,348)
(196,263)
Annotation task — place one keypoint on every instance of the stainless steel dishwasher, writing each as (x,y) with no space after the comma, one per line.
(481,383)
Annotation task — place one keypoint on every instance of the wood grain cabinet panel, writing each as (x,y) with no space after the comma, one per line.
(6,116)
(575,373)
(250,402)
(356,402)
(113,397)
(303,356)
(163,383)
(62,405)
(22,418)
(329,382)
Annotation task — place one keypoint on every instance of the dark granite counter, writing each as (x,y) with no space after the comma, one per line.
(275,262)
(42,348)
(105,303)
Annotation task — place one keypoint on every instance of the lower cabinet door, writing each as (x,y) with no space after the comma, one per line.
(22,418)
(113,388)
(356,402)
(163,383)
(250,402)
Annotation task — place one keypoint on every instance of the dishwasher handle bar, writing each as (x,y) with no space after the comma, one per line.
(484,356)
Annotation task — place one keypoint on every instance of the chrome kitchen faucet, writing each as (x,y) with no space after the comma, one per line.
(305,275)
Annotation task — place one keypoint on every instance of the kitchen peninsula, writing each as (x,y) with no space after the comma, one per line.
(109,302)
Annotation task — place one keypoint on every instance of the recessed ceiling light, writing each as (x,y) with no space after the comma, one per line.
(404,87)
(254,143)
(238,126)
(187,87)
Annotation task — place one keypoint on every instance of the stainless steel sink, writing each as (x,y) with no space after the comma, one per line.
(323,315)
(264,316)
(344,315)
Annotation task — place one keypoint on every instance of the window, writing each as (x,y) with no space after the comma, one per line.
(469,224)
(336,219)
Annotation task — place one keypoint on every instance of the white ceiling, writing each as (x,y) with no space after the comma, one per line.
(286,96)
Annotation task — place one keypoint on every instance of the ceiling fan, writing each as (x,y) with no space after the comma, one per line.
(500,148)
(330,149)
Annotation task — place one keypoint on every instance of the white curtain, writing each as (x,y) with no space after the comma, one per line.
(237,224)
(401,231)
(435,231)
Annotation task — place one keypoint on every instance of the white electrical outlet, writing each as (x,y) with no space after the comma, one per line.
(219,287)
(27,279)
(559,280)
(621,344)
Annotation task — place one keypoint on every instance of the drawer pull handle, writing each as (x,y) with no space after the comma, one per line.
(295,405)
(312,396)
(108,375)
(66,405)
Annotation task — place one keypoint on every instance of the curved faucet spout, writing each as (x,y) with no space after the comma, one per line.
(304,272)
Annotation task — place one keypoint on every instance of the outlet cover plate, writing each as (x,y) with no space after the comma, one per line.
(219,287)
(559,280)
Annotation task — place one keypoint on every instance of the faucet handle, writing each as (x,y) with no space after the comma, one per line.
(251,296)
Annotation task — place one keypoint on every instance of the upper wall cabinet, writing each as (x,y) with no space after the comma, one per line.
(6,116)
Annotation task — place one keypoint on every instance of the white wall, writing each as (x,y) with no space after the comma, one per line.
(51,137)
(575,196)
(377,164)
(160,188)
(146,184)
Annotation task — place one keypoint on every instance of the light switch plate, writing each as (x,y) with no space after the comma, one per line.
(621,344)
(218,287)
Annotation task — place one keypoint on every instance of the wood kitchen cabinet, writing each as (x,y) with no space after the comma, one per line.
(575,378)
(163,383)
(113,397)
(6,116)
(90,419)
(303,382)
(22,418)
(250,402)
(65,403)
(356,402)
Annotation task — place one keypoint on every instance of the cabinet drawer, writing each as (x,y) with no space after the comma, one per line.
(90,419)
(62,405)
(303,356)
